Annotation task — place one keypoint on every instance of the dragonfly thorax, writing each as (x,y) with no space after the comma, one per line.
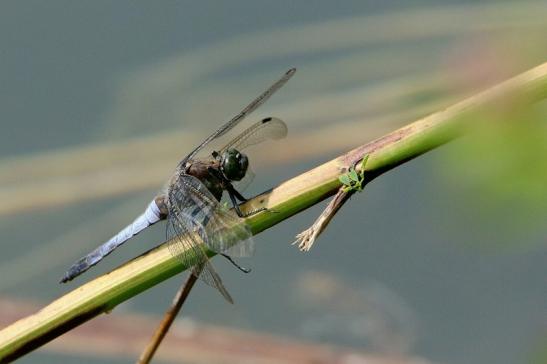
(234,164)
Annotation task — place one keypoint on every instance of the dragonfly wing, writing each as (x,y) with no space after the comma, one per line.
(221,230)
(196,223)
(246,111)
(266,129)
(185,246)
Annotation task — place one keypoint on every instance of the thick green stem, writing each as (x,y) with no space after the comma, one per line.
(104,293)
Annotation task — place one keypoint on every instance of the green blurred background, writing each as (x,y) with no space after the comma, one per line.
(442,258)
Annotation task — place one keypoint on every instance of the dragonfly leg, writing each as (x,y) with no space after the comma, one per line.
(244,270)
(228,185)
(234,202)
(236,193)
(238,210)
(230,188)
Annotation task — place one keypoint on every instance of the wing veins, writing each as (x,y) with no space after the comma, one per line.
(246,111)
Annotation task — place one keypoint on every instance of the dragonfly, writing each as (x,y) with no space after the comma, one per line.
(197,221)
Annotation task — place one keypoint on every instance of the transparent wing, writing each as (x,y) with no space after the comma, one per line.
(266,129)
(197,221)
(185,246)
(191,204)
(246,111)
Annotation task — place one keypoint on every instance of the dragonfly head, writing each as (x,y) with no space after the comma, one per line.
(234,164)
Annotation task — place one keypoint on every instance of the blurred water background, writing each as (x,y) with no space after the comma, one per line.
(442,258)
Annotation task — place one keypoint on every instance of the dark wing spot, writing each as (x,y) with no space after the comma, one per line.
(266,120)
(291,71)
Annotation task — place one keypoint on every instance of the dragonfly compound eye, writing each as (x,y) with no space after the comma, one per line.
(234,165)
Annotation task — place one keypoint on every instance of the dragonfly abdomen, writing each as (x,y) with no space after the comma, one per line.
(150,216)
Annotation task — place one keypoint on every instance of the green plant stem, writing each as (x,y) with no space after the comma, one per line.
(104,293)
